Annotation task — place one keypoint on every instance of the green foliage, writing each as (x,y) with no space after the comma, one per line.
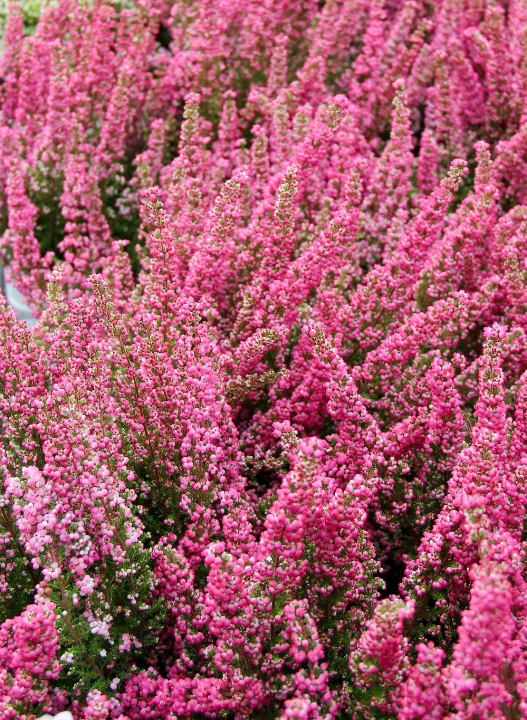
(107,635)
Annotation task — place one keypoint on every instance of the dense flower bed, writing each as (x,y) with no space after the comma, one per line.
(265,452)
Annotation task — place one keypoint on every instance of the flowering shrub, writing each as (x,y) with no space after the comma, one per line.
(265,452)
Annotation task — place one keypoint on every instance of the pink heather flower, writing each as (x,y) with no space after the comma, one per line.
(28,649)
(422,695)
(264,451)
(476,681)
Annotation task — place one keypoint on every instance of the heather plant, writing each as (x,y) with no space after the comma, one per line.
(264,453)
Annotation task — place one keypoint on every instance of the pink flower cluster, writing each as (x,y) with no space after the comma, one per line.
(264,453)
